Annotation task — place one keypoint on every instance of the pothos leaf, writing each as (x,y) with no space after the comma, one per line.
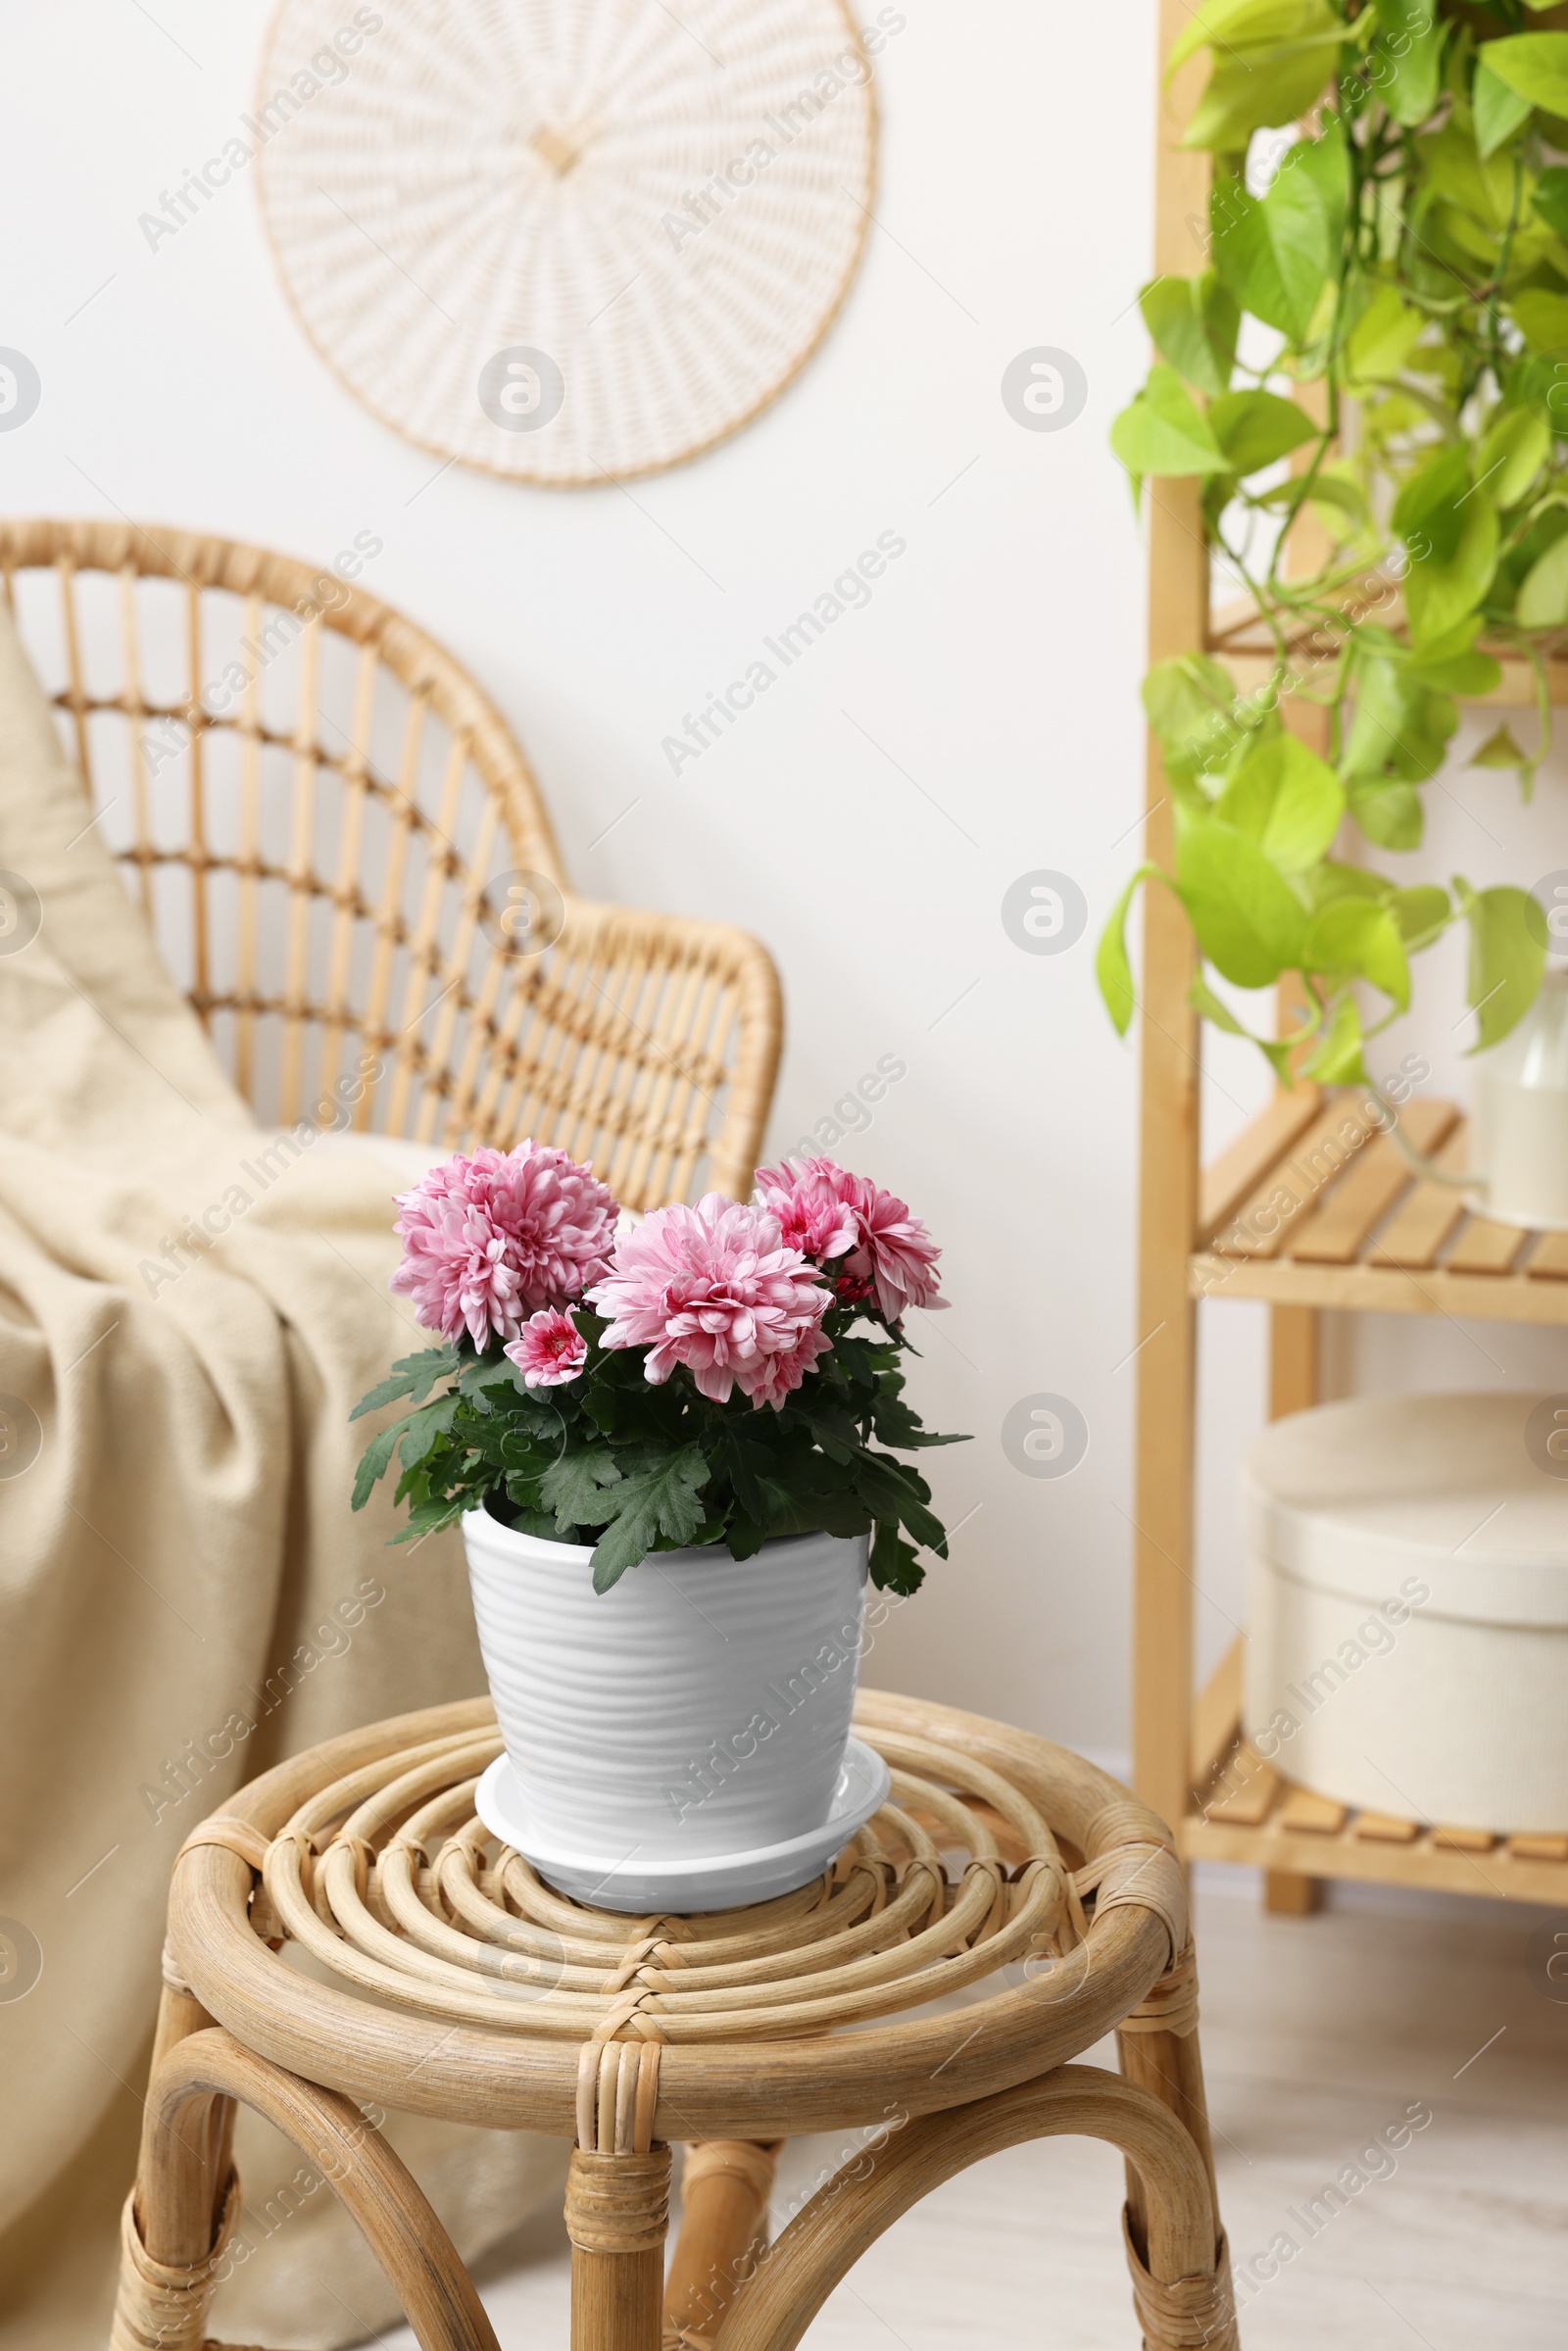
(1390,814)
(1511,456)
(1550,199)
(1201,996)
(1422,913)
(1507,956)
(1166,432)
(1194,322)
(1542,319)
(1252,87)
(1499,110)
(1242,24)
(1257,428)
(1544,595)
(1191,704)
(1499,749)
(1535,65)
(1354,939)
(1112,970)
(1287,799)
(1276,1051)
(1404,64)
(1337,1059)
(1247,920)
(1384,338)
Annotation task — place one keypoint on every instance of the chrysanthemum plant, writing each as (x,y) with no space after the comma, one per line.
(1407,268)
(722,1374)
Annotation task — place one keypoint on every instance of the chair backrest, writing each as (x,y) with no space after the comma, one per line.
(347,868)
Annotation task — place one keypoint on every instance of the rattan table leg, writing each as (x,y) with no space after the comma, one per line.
(180,2014)
(618,2212)
(1182,2290)
(173,2249)
(1170,2067)
(723,2227)
(1158,2048)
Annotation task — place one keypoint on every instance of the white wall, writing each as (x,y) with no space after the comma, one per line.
(994,674)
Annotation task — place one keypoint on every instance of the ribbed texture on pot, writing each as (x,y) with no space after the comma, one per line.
(701,1706)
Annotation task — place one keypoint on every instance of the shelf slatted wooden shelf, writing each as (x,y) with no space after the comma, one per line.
(1314,1207)
(1317,1206)
(1296,1834)
(1244,1809)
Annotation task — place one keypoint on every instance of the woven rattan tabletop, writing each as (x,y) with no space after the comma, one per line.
(1002,1869)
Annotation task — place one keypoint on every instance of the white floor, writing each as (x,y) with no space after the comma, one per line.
(1317,2034)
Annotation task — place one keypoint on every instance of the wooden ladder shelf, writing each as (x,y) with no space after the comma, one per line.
(1311,1207)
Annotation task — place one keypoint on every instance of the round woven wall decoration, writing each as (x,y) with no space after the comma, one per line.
(566,240)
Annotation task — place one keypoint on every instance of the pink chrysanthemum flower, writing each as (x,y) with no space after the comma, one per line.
(775,1376)
(831,1214)
(715,1288)
(814,1213)
(549,1349)
(488,1241)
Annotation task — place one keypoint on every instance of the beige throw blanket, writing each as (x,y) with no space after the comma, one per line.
(184,1596)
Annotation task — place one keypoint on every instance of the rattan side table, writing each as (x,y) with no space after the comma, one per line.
(462,1986)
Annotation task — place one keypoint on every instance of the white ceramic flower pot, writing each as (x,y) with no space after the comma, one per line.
(697,1711)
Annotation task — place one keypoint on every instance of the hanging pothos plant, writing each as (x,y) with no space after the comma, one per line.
(1408,260)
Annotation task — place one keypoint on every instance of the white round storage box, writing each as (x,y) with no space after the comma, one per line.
(1407,1645)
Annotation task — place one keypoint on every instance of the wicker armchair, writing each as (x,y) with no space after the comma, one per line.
(347,868)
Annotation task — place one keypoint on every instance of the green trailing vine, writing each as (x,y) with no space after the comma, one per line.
(1408,260)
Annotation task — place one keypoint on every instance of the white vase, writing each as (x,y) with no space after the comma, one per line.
(700,1708)
(1519,1124)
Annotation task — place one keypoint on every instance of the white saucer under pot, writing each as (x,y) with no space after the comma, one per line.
(634,1884)
(697,1711)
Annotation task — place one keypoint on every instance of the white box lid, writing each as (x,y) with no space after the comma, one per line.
(1353,1498)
